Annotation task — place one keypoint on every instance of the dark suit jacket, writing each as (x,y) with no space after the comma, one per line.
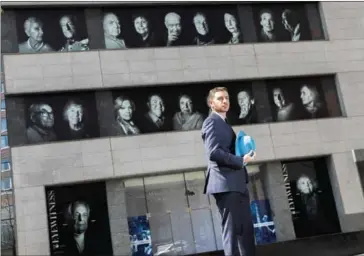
(225,171)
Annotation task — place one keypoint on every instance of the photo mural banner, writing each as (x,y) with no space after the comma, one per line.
(34,30)
(78,220)
(313,209)
(69,116)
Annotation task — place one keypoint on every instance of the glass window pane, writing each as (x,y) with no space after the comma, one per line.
(195,182)
(138,222)
(5,166)
(3,106)
(3,124)
(4,141)
(135,197)
(170,219)
(7,228)
(6,184)
(203,231)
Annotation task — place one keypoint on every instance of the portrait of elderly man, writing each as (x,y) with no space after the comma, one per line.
(172,21)
(73,42)
(231,25)
(78,240)
(145,36)
(312,103)
(268,26)
(293,25)
(247,111)
(187,118)
(203,35)
(155,119)
(33,28)
(286,110)
(112,30)
(124,116)
(74,116)
(41,118)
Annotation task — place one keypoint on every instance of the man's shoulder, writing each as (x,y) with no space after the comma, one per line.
(208,120)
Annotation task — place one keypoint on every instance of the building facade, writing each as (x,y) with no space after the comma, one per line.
(104,105)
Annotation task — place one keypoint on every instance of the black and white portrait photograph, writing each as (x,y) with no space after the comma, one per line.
(51,30)
(61,117)
(296,99)
(281,22)
(158,109)
(129,27)
(313,198)
(78,220)
(243,108)
(142,111)
(215,25)
(174,26)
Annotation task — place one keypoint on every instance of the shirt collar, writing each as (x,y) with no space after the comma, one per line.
(223,118)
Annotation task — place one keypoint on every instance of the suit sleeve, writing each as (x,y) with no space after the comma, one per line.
(215,152)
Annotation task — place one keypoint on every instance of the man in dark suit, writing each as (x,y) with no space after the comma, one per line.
(227,177)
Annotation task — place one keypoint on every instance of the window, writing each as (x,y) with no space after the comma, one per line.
(178,219)
(5,166)
(4,141)
(6,184)
(7,234)
(3,125)
(3,106)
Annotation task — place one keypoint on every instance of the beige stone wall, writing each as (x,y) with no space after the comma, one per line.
(39,165)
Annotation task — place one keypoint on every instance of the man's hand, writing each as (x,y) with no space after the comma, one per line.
(249,157)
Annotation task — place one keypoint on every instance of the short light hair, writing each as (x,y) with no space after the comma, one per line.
(212,93)
(28,22)
(70,104)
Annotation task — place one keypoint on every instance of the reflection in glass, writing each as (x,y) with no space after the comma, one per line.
(203,231)
(167,202)
(264,226)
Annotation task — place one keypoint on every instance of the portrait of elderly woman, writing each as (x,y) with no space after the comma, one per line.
(312,103)
(74,116)
(33,28)
(124,110)
(203,32)
(144,35)
(187,118)
(41,127)
(231,25)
